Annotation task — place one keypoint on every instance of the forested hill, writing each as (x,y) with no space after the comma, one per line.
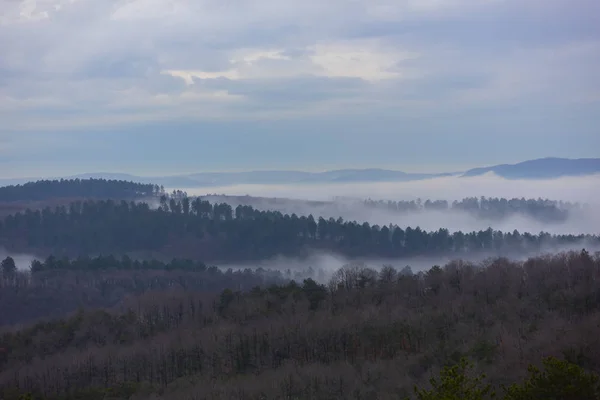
(209,232)
(77,188)
(56,287)
(366,335)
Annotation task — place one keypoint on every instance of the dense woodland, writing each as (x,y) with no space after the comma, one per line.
(365,335)
(32,193)
(100,316)
(197,229)
(78,188)
(58,286)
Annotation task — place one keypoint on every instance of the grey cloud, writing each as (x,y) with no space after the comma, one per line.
(472,54)
(443,87)
(295,90)
(117,66)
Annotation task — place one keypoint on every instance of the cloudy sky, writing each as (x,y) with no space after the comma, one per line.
(170,86)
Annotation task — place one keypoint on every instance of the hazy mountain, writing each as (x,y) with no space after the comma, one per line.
(298,177)
(542,168)
(372,175)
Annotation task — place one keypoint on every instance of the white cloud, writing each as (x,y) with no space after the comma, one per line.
(358,59)
(363,59)
(391,10)
(188,76)
(250,56)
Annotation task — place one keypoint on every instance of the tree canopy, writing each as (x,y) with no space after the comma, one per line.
(198,229)
(78,188)
(367,334)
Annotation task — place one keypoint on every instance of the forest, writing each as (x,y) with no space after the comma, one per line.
(365,334)
(78,188)
(197,229)
(131,297)
(58,286)
(55,193)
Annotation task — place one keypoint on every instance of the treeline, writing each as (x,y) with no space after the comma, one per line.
(100,263)
(486,207)
(58,286)
(197,229)
(367,334)
(558,379)
(78,188)
(543,210)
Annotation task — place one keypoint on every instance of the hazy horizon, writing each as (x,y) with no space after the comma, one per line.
(583,189)
(107,171)
(428,170)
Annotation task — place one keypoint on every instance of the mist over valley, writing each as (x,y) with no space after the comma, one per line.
(308,200)
(117,281)
(573,205)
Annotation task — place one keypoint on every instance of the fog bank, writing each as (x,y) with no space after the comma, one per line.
(322,265)
(341,201)
(22,261)
(584,189)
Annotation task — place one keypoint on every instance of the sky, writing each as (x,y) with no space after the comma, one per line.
(173,86)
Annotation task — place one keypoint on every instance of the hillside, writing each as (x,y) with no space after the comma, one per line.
(543,168)
(127,325)
(41,194)
(366,335)
(200,230)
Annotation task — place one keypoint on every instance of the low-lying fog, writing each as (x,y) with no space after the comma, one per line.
(22,261)
(321,266)
(572,189)
(575,190)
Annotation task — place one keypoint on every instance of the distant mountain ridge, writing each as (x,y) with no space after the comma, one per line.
(207,179)
(543,168)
